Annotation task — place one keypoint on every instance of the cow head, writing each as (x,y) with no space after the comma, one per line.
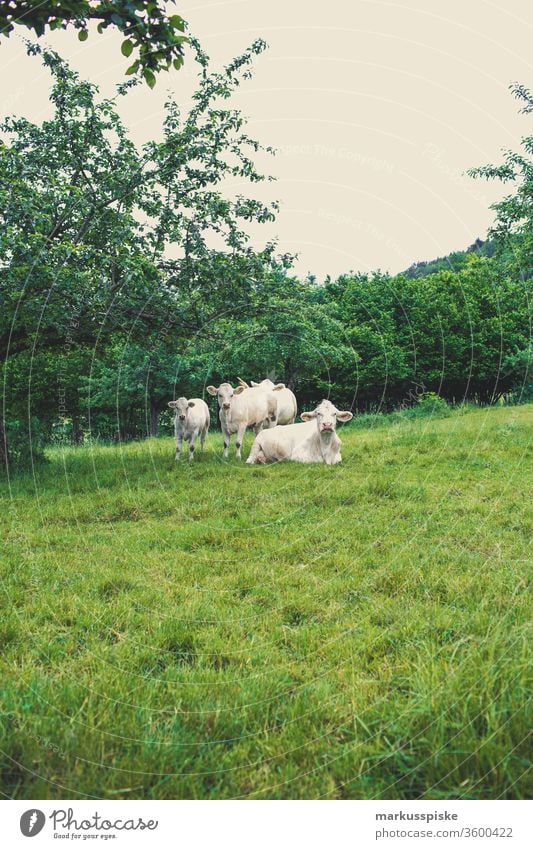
(225,393)
(181,407)
(327,416)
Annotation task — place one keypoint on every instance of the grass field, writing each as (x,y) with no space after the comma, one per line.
(220,631)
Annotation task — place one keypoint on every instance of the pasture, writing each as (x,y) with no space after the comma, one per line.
(216,630)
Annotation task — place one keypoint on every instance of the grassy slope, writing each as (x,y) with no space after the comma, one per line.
(286,631)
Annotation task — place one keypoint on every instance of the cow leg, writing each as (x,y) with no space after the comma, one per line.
(203,435)
(238,442)
(258,427)
(192,440)
(226,443)
(256,454)
(178,434)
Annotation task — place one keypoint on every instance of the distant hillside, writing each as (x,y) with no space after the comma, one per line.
(452,262)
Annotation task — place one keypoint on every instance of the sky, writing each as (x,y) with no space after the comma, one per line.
(377,109)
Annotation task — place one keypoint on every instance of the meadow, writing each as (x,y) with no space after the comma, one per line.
(221,631)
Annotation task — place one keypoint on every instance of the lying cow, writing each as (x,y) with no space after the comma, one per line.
(241,408)
(192,421)
(287,406)
(314,441)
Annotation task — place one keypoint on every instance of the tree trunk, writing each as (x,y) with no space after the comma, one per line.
(77,433)
(291,382)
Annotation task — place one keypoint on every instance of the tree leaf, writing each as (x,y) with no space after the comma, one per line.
(149,76)
(127,47)
(177,22)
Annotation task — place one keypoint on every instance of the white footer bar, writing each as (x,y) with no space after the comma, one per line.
(267,825)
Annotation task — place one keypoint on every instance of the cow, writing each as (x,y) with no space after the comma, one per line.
(313,441)
(287,405)
(240,408)
(192,420)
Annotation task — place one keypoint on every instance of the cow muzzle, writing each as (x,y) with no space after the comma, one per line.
(327,428)
(225,406)
(182,418)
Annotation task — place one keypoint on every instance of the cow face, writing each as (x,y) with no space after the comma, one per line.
(327,416)
(181,407)
(225,394)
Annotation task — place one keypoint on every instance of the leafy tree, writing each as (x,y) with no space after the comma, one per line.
(370,312)
(448,332)
(154,39)
(513,230)
(99,240)
(290,336)
(70,244)
(452,262)
(514,214)
(131,384)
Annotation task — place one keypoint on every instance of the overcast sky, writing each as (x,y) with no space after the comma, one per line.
(377,108)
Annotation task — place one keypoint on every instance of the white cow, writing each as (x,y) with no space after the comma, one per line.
(314,441)
(287,405)
(192,420)
(241,408)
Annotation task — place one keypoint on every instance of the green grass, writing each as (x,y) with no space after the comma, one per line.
(220,631)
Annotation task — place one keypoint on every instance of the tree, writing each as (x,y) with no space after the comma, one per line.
(451,332)
(132,385)
(289,336)
(100,241)
(69,241)
(513,228)
(153,38)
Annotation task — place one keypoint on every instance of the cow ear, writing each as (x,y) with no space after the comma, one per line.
(173,404)
(190,404)
(212,390)
(344,416)
(278,386)
(306,417)
(238,390)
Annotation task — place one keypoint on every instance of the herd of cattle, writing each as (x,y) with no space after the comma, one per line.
(270,409)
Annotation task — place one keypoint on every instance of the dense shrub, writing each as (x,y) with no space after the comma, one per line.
(21,444)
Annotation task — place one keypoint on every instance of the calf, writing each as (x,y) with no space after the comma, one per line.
(240,408)
(192,420)
(314,441)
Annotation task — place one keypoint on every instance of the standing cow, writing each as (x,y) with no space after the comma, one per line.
(241,408)
(287,405)
(192,420)
(314,441)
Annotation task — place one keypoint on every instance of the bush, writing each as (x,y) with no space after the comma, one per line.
(21,445)
(428,404)
(518,366)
